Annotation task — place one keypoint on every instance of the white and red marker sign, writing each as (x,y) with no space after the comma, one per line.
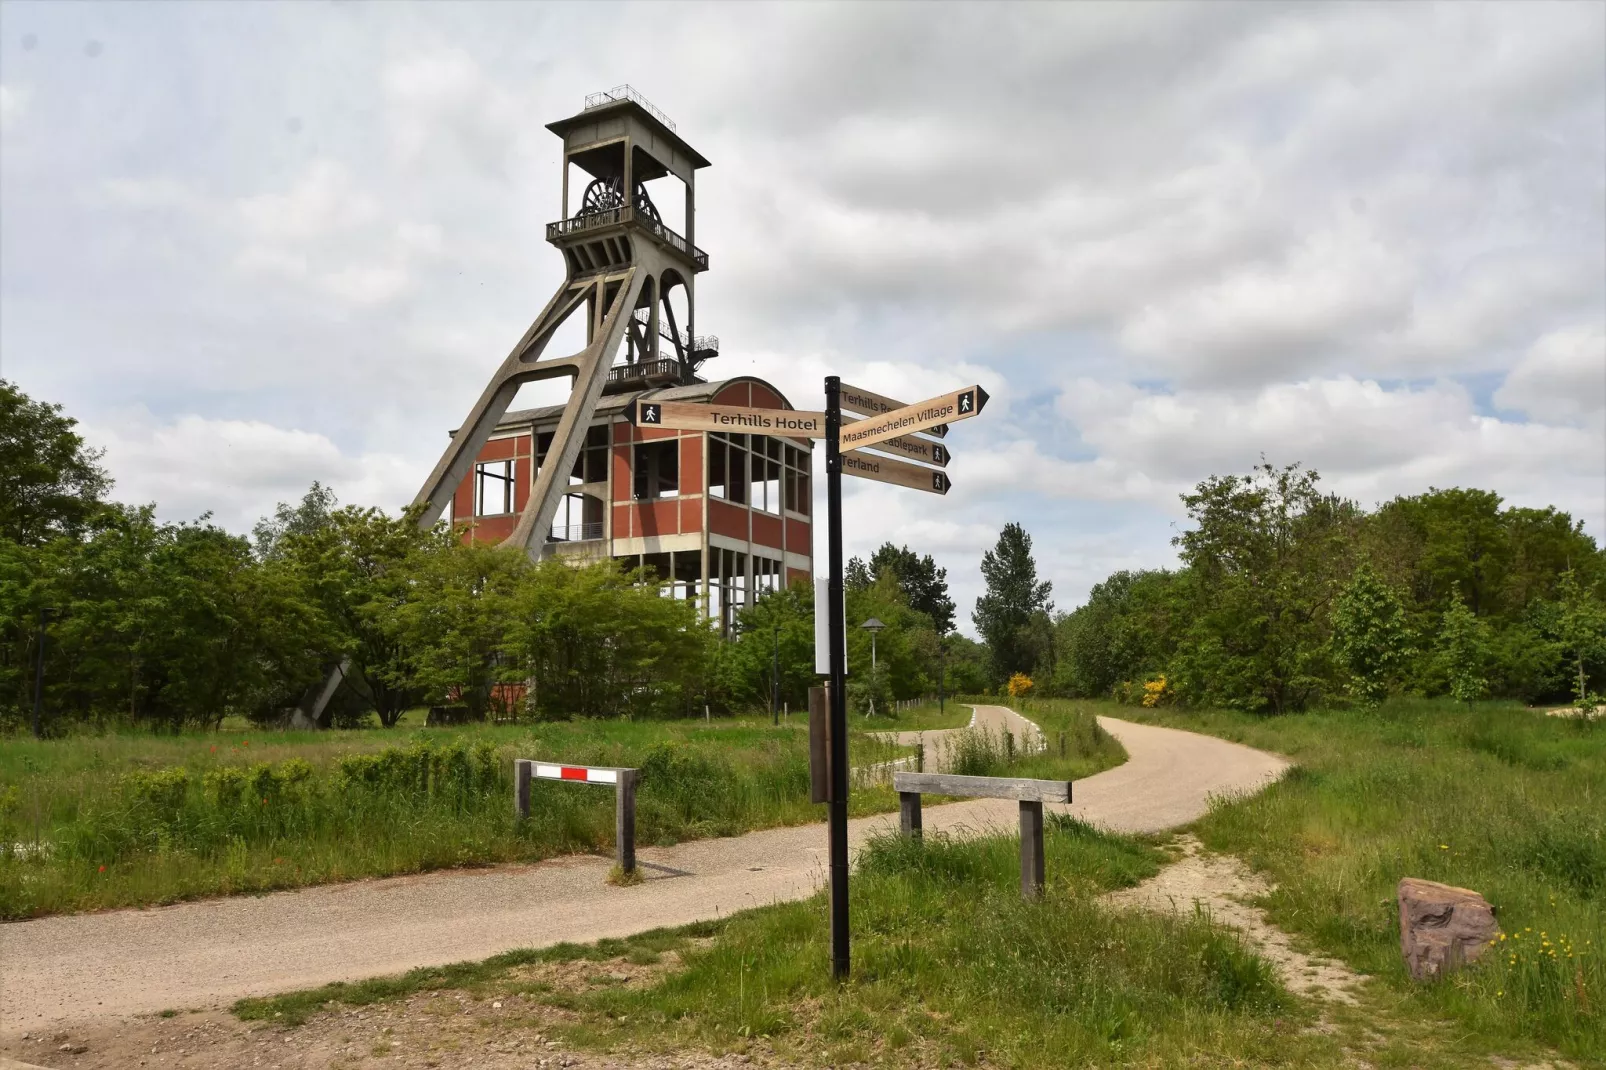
(585,773)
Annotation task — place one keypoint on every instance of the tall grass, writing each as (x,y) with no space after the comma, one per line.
(952,967)
(1496,798)
(112,821)
(90,822)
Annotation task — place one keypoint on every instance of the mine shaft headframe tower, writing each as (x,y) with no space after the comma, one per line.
(622,265)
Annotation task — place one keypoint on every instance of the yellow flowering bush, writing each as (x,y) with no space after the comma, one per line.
(1020,685)
(1157,692)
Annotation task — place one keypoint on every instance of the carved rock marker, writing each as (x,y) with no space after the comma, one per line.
(1442,927)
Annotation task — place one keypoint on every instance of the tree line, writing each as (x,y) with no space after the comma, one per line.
(1285,597)
(175,625)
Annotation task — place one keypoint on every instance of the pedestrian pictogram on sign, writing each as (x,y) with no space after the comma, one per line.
(945,408)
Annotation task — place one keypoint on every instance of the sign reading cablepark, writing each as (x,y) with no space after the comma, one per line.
(685,416)
(917,449)
(943,409)
(887,470)
(869,403)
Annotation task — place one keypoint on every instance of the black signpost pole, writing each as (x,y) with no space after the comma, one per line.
(837,806)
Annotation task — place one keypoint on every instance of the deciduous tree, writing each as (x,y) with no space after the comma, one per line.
(1004,615)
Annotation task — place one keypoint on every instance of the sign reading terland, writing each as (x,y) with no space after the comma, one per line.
(887,470)
(922,415)
(686,416)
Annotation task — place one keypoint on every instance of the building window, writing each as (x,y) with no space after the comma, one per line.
(727,467)
(767,466)
(493,488)
(799,496)
(578,519)
(590,464)
(655,468)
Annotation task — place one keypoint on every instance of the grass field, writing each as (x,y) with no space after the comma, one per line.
(122,820)
(952,968)
(1496,798)
(924,717)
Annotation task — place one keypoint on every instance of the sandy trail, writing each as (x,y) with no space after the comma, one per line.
(76,968)
(994,721)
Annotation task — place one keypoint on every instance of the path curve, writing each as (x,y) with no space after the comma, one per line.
(58,970)
(992,720)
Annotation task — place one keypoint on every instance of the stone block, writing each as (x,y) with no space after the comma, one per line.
(1442,927)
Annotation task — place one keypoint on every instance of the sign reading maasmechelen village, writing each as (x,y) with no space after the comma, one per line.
(888,427)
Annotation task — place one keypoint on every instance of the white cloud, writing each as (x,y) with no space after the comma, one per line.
(1191,233)
(324,200)
(238,469)
(1561,378)
(13,104)
(330,232)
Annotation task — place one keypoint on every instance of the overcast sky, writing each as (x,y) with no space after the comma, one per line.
(250,246)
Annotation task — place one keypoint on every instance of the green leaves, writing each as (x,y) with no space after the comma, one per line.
(1370,638)
(1463,651)
(1012,615)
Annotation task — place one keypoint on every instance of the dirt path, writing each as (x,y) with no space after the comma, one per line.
(992,720)
(1223,886)
(73,969)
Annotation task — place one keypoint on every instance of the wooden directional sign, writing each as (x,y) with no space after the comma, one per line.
(901,473)
(685,416)
(869,403)
(945,408)
(917,449)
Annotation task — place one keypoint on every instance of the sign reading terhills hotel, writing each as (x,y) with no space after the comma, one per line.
(921,416)
(686,416)
(887,470)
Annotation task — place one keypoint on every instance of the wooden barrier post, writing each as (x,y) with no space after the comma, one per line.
(1031,794)
(522,768)
(1062,744)
(624,821)
(1031,849)
(819,745)
(909,813)
(920,757)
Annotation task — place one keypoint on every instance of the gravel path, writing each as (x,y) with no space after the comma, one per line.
(76,968)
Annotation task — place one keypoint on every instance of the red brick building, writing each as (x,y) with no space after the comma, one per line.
(719,517)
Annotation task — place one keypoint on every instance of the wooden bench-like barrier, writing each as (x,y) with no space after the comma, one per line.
(1031,794)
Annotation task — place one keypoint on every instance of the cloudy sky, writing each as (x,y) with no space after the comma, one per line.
(251,246)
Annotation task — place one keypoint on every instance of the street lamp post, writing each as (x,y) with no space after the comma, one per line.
(775,679)
(942,669)
(872,626)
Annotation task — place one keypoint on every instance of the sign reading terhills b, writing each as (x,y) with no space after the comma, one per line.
(921,416)
(686,416)
(869,403)
(887,470)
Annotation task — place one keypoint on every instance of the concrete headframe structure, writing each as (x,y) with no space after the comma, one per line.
(623,265)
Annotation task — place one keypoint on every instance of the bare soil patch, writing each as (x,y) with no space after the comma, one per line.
(506,1025)
(1223,887)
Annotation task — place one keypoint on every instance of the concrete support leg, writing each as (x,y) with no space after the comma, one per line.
(909,813)
(1031,850)
(624,824)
